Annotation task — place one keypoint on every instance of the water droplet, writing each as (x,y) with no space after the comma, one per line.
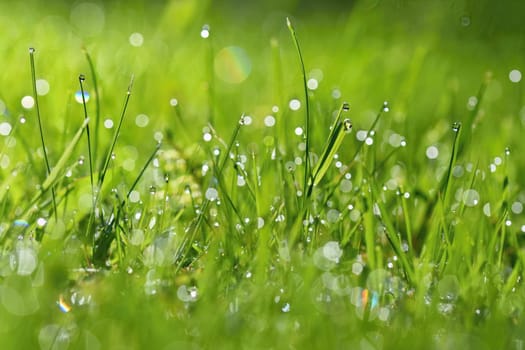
(108,123)
(5,128)
(294,104)
(507,151)
(269,121)
(298,131)
(312,84)
(347,125)
(336,94)
(470,198)
(517,207)
(22,120)
(142,120)
(205,31)
(136,39)
(152,190)
(456,126)
(386,107)
(81,77)
(28,102)
(78,96)
(361,135)
(515,76)
(187,294)
(32,50)
(212,194)
(42,87)
(286,308)
(486,209)
(346,106)
(332,251)
(357,268)
(432,152)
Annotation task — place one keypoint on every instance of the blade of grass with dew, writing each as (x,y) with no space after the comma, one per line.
(81,79)
(97,102)
(40,128)
(338,131)
(107,159)
(307,171)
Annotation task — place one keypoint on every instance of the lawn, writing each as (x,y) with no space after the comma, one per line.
(189,174)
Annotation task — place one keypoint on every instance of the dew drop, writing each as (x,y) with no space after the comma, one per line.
(78,96)
(294,104)
(5,128)
(269,121)
(298,131)
(470,198)
(32,50)
(108,123)
(81,77)
(286,308)
(312,84)
(486,209)
(517,207)
(346,106)
(456,126)
(27,102)
(515,76)
(136,39)
(347,125)
(205,31)
(432,152)
(212,194)
(336,94)
(386,107)
(142,120)
(42,87)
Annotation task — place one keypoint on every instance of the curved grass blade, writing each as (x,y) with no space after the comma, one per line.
(307,170)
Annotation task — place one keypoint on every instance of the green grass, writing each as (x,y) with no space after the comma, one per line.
(195,206)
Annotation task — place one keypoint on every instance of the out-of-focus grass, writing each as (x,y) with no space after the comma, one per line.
(209,250)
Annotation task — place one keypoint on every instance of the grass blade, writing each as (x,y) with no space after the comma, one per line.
(81,79)
(40,129)
(307,172)
(97,102)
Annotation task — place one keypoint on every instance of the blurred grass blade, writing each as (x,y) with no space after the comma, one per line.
(105,166)
(54,175)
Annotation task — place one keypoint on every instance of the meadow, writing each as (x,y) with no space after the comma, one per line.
(275,175)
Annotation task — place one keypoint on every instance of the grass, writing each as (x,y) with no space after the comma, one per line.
(177,223)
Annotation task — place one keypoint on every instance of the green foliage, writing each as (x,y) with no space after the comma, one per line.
(179,224)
